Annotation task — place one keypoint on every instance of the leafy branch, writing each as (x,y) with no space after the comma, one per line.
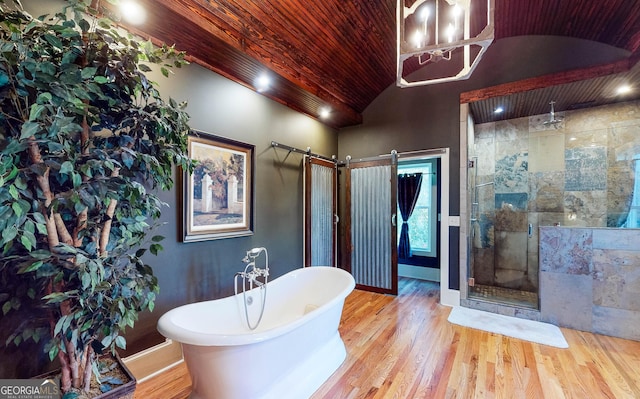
(86,139)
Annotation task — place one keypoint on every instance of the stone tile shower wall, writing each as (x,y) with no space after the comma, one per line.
(579,173)
(590,279)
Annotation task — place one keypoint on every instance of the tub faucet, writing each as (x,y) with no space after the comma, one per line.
(251,272)
(250,275)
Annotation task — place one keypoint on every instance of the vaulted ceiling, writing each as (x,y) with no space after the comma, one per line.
(342,53)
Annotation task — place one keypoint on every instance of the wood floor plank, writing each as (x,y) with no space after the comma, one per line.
(403,347)
(174,383)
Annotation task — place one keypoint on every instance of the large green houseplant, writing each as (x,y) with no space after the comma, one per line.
(85,140)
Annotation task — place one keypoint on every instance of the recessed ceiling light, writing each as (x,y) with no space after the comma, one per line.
(324,112)
(498,110)
(132,12)
(624,89)
(263,82)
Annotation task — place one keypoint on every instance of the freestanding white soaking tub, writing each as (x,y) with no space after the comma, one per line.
(294,349)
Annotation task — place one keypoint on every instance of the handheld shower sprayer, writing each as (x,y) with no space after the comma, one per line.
(253,253)
(250,277)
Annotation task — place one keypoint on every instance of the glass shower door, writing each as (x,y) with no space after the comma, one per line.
(503,233)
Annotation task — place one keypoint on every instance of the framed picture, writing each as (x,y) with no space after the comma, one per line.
(218,195)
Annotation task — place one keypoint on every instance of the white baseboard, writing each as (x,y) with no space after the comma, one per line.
(449,297)
(422,273)
(155,360)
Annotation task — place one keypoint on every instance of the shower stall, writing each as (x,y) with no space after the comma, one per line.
(503,257)
(507,174)
(574,169)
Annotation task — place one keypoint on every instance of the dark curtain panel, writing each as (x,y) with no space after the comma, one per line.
(408,191)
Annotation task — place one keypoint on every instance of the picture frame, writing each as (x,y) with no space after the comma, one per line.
(218,195)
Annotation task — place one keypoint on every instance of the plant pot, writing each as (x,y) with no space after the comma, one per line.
(124,391)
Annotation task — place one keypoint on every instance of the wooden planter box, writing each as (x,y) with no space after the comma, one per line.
(124,391)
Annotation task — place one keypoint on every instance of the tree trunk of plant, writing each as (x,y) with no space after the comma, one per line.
(74,373)
(106,227)
(88,353)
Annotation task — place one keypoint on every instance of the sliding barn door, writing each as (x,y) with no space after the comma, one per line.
(371,233)
(320,212)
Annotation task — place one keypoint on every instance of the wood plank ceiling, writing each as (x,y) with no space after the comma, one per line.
(342,53)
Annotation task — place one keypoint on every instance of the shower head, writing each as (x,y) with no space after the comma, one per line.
(553,120)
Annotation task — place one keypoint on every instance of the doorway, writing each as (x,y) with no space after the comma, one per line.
(370,218)
(320,211)
(449,294)
(369,243)
(419,192)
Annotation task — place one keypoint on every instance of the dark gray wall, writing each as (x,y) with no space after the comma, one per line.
(428,117)
(204,270)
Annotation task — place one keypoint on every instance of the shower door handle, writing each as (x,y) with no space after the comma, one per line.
(393,219)
(530,229)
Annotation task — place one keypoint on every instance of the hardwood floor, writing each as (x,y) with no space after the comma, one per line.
(404,347)
(172,384)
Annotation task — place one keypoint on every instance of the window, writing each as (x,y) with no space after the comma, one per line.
(422,223)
